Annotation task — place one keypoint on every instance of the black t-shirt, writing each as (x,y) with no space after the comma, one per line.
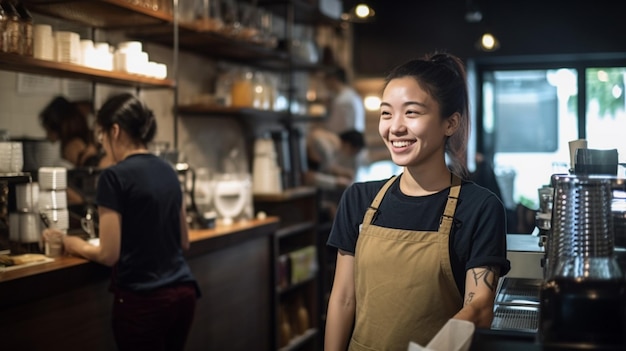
(146,191)
(478,234)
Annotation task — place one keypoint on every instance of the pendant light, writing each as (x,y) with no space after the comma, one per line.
(359,13)
(487,41)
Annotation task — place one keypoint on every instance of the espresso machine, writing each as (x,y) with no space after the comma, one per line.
(583,293)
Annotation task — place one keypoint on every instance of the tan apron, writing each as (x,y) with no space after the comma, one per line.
(405,290)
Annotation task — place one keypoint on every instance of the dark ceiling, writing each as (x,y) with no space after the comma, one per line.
(405,29)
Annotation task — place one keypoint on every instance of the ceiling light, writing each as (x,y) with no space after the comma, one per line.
(372,103)
(361,12)
(488,42)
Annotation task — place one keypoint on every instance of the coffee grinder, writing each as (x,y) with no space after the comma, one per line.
(582,297)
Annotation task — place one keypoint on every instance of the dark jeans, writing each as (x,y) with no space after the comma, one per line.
(156,320)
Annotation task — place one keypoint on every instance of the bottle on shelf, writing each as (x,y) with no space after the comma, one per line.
(26,24)
(303,315)
(242,88)
(11,36)
(285,326)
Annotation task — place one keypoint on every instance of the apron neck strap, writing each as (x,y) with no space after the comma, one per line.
(453,196)
(371,210)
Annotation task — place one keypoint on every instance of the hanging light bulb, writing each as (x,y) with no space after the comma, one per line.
(488,42)
(361,12)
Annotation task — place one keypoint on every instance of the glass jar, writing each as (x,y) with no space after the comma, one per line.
(26,24)
(11,36)
(242,91)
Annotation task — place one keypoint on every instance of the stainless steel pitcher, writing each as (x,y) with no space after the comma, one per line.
(582,239)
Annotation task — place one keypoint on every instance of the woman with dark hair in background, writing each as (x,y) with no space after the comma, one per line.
(425,246)
(64,122)
(143,233)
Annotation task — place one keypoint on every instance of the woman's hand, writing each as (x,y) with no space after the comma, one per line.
(73,245)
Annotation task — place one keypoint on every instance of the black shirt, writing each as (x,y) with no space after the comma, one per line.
(146,191)
(478,234)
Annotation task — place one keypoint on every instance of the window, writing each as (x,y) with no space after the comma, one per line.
(605,109)
(527,116)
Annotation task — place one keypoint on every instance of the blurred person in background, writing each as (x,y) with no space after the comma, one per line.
(66,123)
(333,161)
(143,233)
(346,109)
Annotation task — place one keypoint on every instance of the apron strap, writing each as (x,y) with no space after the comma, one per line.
(448,214)
(371,210)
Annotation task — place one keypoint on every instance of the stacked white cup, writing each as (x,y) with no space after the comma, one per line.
(53,205)
(67,46)
(43,42)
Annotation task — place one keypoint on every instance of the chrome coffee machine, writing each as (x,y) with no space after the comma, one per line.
(582,297)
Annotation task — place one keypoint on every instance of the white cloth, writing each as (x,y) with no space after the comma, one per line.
(346,112)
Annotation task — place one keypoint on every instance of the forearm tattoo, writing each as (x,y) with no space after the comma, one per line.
(470,297)
(489,275)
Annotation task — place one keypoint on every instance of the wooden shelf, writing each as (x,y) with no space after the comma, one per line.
(288,194)
(204,110)
(25,64)
(105,14)
(221,111)
(192,38)
(298,285)
(18,177)
(294,229)
(297,342)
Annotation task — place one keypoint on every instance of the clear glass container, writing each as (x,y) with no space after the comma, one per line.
(12,35)
(242,90)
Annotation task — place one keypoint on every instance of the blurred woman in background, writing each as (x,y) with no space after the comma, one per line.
(64,122)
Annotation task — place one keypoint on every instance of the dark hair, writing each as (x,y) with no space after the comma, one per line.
(65,118)
(338,73)
(132,115)
(354,138)
(443,76)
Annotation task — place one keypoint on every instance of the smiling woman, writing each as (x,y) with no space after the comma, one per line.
(380,225)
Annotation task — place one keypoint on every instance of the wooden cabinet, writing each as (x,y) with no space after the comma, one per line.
(66,304)
(298,282)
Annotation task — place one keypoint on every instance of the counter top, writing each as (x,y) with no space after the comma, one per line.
(225,234)
(523,243)
(67,272)
(68,302)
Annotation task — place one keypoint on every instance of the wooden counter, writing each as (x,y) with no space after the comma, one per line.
(66,303)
